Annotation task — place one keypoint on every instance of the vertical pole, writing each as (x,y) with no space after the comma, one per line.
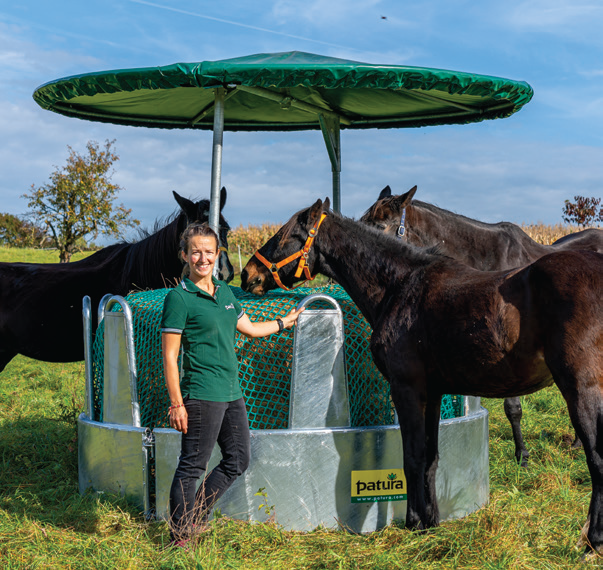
(216,166)
(331,132)
(87,318)
(216,160)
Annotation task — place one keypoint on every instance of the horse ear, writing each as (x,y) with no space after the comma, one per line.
(404,200)
(326,204)
(222,198)
(185,204)
(385,193)
(314,211)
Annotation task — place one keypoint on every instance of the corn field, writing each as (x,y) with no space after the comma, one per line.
(548,234)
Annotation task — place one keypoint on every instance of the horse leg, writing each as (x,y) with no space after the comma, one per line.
(589,427)
(5,357)
(412,428)
(585,406)
(432,430)
(513,412)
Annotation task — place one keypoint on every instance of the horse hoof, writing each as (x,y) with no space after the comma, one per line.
(591,553)
(577,444)
(591,556)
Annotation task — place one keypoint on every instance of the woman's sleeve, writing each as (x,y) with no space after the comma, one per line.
(173,319)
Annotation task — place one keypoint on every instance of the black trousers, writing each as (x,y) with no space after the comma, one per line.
(208,422)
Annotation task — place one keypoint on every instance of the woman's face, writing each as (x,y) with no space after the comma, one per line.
(201,257)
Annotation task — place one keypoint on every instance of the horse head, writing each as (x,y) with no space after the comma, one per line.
(388,213)
(288,256)
(199,212)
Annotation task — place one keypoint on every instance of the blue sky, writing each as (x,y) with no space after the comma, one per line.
(519,169)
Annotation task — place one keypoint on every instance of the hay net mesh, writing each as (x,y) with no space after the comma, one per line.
(264,363)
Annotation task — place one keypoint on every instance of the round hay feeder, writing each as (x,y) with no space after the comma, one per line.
(326,447)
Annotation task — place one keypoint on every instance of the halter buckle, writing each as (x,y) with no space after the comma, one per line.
(302,254)
(402,229)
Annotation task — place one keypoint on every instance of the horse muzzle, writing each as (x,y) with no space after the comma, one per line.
(252,280)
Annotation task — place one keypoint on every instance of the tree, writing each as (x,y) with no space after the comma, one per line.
(79,200)
(16,232)
(583,211)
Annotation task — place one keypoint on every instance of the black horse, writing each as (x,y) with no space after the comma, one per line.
(489,247)
(441,327)
(41,303)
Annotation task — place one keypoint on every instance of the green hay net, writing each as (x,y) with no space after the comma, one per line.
(265,363)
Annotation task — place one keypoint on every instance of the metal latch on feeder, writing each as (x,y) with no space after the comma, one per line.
(148,442)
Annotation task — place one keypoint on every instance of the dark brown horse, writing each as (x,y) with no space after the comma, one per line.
(441,327)
(490,247)
(41,303)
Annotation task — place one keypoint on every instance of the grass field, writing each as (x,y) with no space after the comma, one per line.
(532,521)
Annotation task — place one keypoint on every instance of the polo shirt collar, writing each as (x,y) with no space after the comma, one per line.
(189,286)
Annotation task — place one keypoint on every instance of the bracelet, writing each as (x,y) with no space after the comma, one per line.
(280,324)
(174,407)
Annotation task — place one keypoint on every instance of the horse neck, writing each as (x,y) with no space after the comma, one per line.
(478,244)
(152,263)
(361,261)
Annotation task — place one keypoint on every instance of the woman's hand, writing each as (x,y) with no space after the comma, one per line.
(291,319)
(179,419)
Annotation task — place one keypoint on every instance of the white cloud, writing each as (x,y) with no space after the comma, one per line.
(590,73)
(520,169)
(580,22)
(323,14)
(550,15)
(25,64)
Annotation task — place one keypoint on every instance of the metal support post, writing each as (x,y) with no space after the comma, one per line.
(330,128)
(216,165)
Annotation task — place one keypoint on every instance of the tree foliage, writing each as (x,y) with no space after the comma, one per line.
(583,211)
(16,232)
(79,200)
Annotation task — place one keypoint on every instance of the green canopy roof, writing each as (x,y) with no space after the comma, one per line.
(282,92)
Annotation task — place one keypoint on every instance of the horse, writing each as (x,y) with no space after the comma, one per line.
(489,247)
(41,303)
(442,327)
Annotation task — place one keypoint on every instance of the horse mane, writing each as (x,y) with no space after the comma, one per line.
(148,255)
(508,227)
(388,245)
(370,209)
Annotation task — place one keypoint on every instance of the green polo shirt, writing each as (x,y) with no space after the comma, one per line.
(210,370)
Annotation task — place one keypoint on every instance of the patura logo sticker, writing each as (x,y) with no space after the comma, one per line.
(378,485)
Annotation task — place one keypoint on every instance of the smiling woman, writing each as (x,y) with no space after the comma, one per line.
(202,316)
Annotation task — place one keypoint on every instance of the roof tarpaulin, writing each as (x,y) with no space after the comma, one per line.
(282,92)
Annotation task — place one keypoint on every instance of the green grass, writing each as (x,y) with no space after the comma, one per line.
(532,521)
(30,255)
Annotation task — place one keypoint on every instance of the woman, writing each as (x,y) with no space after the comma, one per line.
(207,405)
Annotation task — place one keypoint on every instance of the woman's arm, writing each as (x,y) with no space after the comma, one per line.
(265,328)
(170,347)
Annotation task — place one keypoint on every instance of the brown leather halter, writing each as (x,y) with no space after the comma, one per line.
(303,262)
